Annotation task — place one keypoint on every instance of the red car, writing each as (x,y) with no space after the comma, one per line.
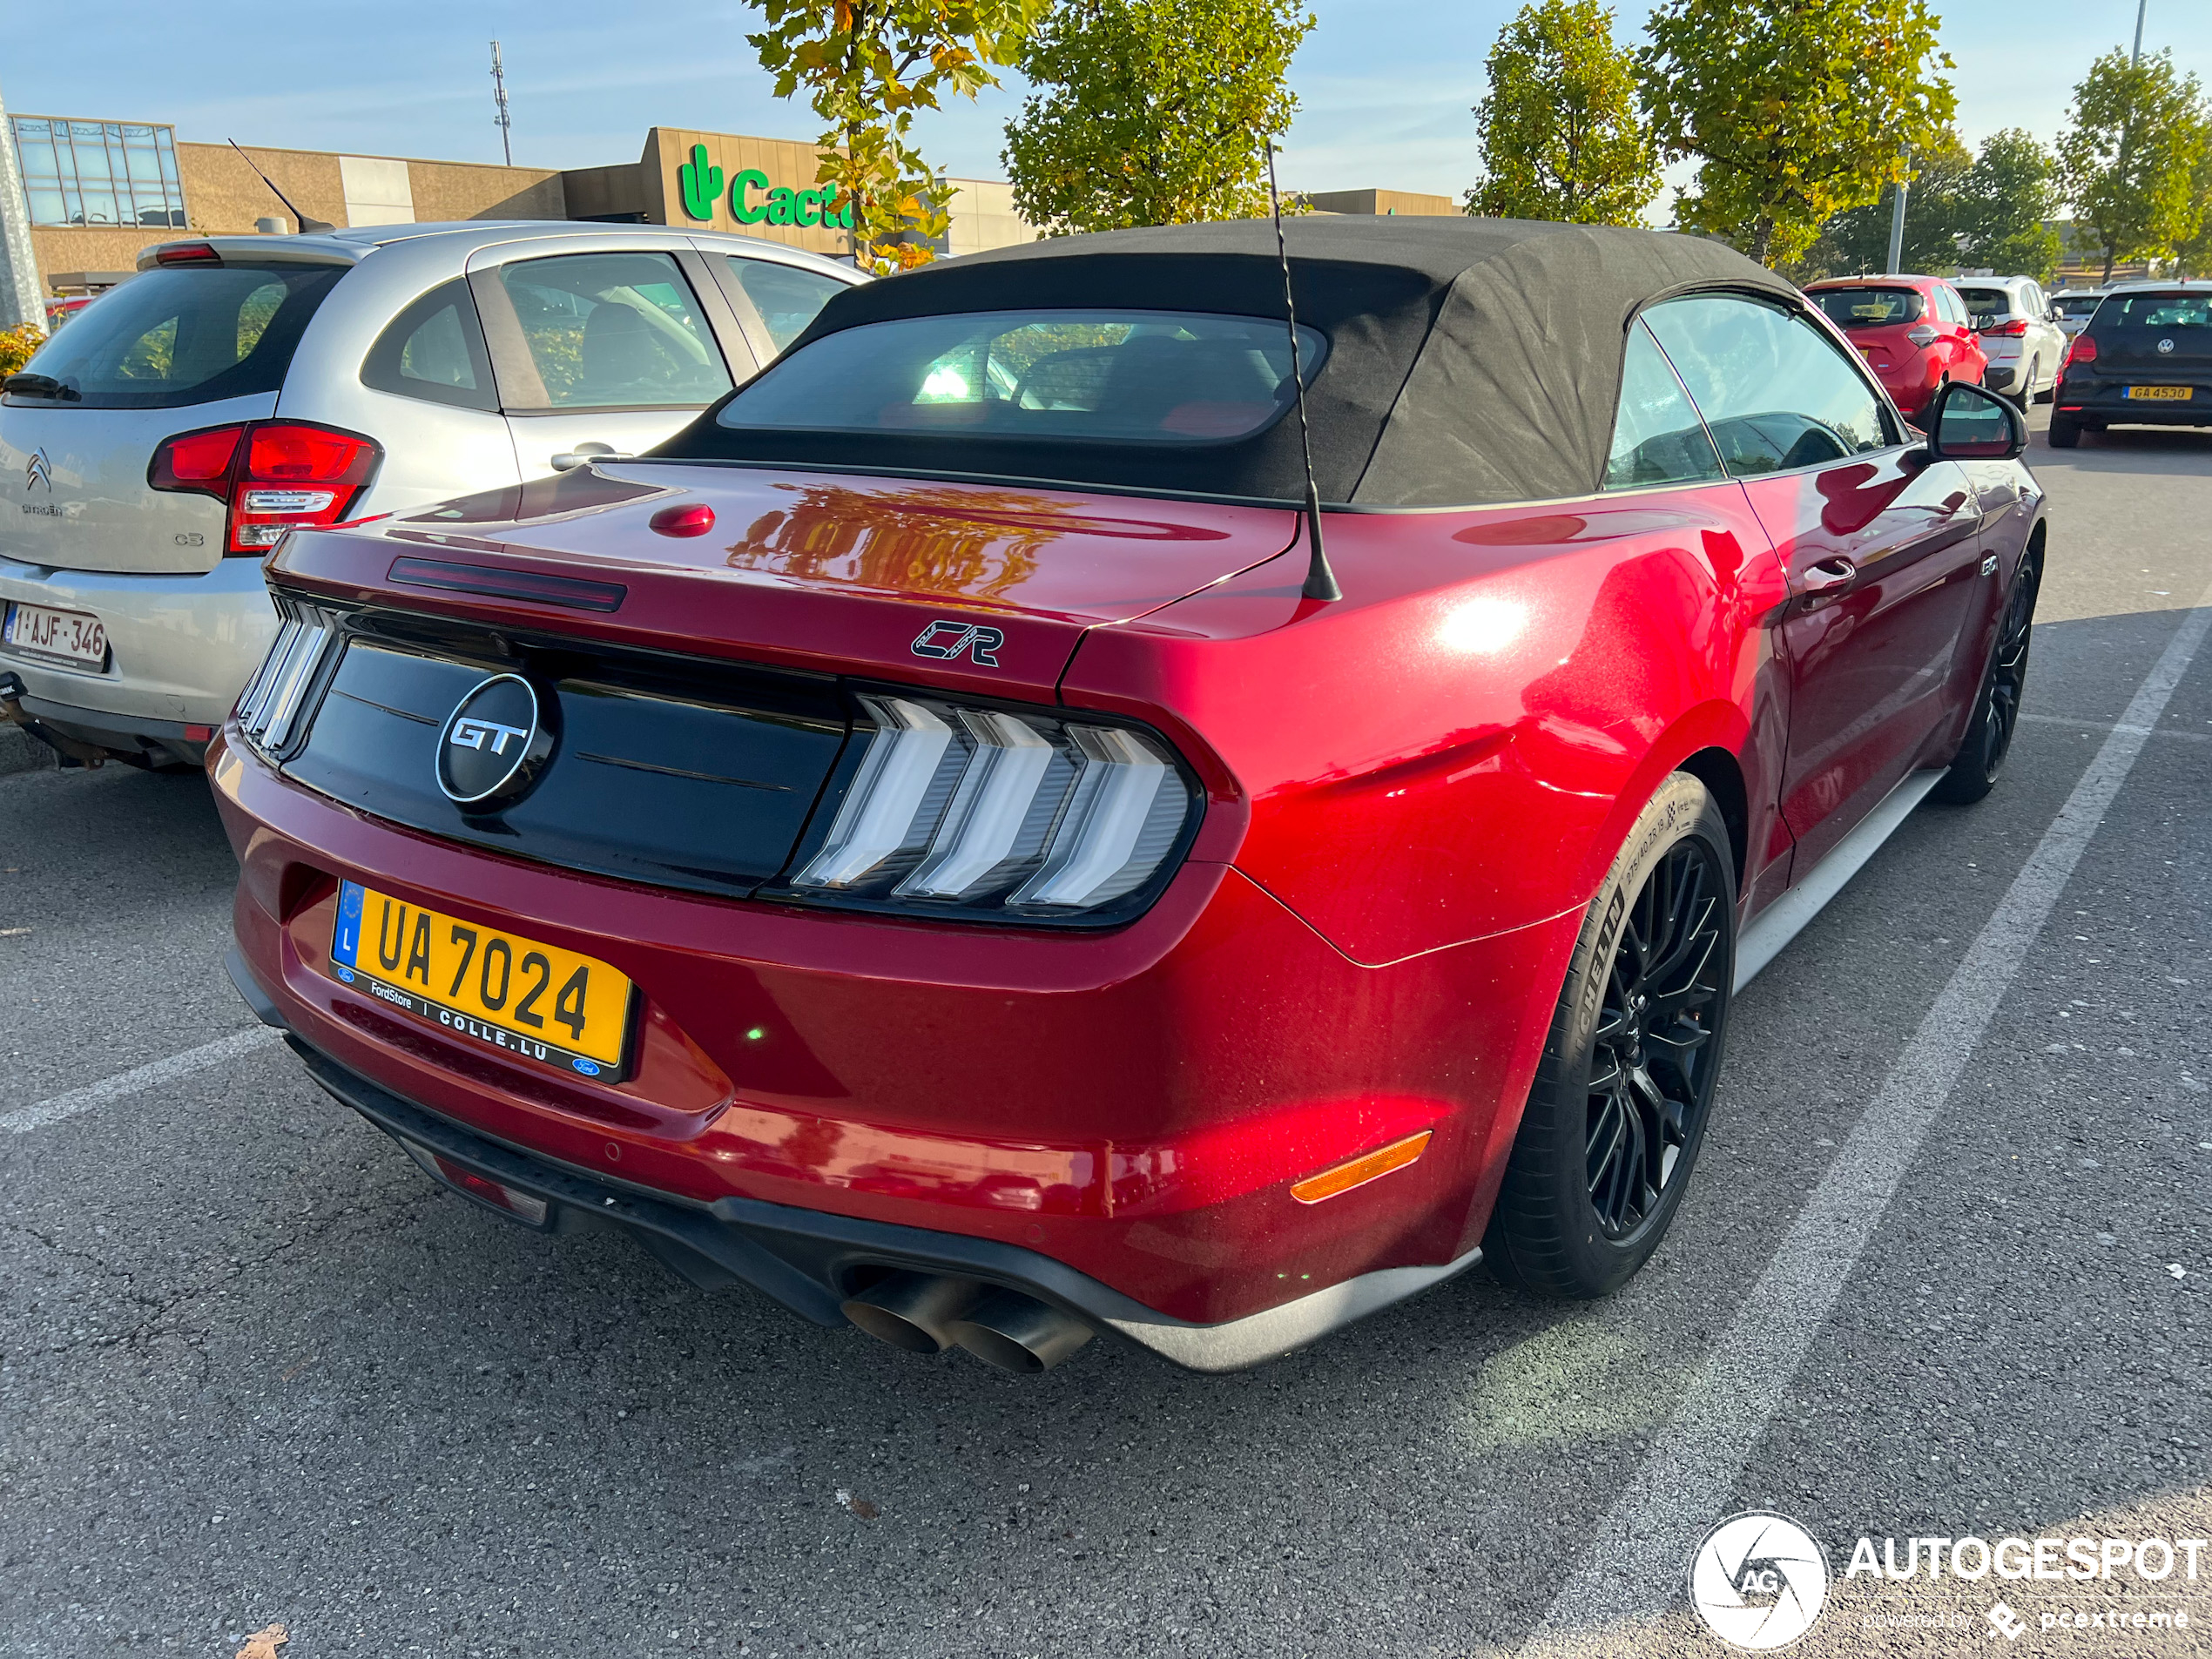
(947,843)
(1914,332)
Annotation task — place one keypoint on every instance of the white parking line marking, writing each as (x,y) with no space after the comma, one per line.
(26,1118)
(1637,1562)
(2087,724)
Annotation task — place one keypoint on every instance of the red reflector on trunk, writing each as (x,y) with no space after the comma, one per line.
(199,734)
(695,518)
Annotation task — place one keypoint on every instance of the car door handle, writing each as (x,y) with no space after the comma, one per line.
(1828,576)
(569,460)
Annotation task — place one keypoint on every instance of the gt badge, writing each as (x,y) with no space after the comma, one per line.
(494,745)
(946,640)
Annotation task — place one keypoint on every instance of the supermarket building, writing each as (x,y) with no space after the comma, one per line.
(98,191)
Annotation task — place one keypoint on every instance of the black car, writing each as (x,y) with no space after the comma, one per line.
(2145,359)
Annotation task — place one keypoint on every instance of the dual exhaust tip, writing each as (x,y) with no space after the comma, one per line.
(930,1312)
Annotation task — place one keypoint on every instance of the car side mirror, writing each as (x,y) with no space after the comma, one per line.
(1973,423)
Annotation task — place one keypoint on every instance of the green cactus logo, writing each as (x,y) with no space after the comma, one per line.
(701,185)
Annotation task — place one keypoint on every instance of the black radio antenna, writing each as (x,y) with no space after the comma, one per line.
(305,223)
(1320,580)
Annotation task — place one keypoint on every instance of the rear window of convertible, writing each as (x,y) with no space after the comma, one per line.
(1160,377)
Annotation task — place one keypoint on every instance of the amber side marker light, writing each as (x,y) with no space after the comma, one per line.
(1360,1170)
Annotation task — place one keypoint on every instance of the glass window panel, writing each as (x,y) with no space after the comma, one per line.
(91,160)
(786,296)
(38,156)
(1775,391)
(46,207)
(1657,438)
(615,330)
(142,163)
(31,127)
(1095,375)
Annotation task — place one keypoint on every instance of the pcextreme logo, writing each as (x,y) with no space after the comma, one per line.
(699,183)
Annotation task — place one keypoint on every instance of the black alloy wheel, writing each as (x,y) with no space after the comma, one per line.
(1997,711)
(1651,1062)
(1617,1109)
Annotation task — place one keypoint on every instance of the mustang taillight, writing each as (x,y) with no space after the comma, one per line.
(2084,349)
(273,475)
(993,813)
(283,687)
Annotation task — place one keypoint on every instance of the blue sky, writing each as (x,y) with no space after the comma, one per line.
(1385,86)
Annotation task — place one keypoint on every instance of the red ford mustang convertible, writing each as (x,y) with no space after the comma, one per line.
(952,843)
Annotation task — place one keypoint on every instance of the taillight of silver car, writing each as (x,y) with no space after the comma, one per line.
(1010,815)
(269,708)
(273,475)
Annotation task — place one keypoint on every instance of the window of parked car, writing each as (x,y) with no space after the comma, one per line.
(2157,311)
(1657,438)
(784,297)
(1775,391)
(1871,307)
(1990,304)
(434,350)
(181,335)
(1086,376)
(609,331)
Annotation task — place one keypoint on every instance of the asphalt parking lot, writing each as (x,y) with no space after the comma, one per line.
(1944,1271)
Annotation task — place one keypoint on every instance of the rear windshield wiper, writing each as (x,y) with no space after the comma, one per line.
(44,386)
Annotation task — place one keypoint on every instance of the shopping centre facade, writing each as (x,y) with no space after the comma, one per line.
(98,191)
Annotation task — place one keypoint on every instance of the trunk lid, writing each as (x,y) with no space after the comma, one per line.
(829,573)
(74,495)
(2152,339)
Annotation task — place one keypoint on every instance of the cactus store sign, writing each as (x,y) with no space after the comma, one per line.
(753,200)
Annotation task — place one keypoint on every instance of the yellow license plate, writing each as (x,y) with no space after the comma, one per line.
(2161,393)
(536,1002)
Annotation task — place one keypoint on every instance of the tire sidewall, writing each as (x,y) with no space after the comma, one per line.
(1550,1155)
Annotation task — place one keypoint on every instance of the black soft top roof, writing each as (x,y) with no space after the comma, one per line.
(1470,360)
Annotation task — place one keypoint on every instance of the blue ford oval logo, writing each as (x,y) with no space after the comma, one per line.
(494,745)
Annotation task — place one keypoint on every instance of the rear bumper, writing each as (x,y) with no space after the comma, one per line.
(179,647)
(1128,1108)
(808,1261)
(2102,405)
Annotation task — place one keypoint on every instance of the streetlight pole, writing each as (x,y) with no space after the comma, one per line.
(1897,216)
(2136,57)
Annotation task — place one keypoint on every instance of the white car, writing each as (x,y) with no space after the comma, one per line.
(2024,343)
(153,451)
(2072,309)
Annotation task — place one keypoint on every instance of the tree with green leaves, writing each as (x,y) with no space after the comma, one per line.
(2003,206)
(2128,157)
(1152,112)
(2192,255)
(866,66)
(1562,136)
(1858,238)
(1796,109)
